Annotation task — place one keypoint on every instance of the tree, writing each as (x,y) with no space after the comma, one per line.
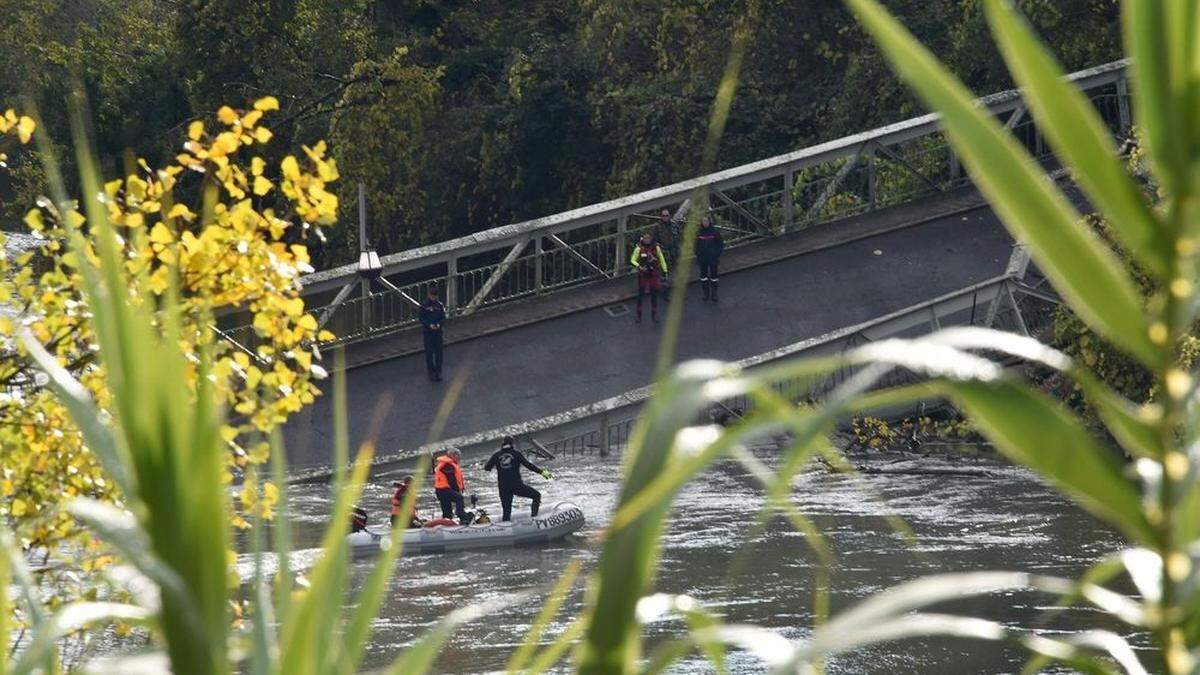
(215,230)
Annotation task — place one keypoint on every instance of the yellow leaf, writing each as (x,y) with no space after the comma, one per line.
(293,307)
(34,220)
(262,186)
(181,211)
(158,281)
(159,234)
(262,134)
(257,164)
(267,103)
(226,115)
(290,168)
(196,130)
(25,129)
(18,508)
(251,118)
(308,322)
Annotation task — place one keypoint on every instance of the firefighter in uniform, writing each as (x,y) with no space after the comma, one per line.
(507,461)
(449,486)
(709,245)
(432,316)
(651,267)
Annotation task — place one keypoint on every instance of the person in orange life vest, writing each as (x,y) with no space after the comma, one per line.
(651,267)
(449,485)
(709,245)
(402,486)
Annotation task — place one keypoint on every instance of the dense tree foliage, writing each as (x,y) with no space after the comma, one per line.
(464,114)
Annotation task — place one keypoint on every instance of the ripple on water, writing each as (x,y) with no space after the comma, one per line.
(712,550)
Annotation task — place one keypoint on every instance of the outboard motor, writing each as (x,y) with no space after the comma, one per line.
(358,519)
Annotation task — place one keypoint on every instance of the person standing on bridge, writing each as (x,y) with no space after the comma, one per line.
(432,316)
(449,486)
(507,461)
(709,246)
(651,267)
(666,232)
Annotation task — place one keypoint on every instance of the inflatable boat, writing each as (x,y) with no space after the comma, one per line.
(554,523)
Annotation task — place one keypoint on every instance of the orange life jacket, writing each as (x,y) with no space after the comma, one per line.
(439,475)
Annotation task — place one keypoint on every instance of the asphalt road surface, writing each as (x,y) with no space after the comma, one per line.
(544,368)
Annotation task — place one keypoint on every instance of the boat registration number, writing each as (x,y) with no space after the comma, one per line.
(558,519)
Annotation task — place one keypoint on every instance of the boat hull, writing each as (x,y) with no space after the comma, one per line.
(555,523)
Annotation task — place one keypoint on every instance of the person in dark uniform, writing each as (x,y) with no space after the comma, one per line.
(507,461)
(432,316)
(666,233)
(709,245)
(651,267)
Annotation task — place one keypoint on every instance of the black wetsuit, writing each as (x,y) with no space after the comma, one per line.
(508,462)
(432,316)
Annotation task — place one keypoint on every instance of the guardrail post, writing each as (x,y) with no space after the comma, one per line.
(604,449)
(1123,104)
(789,200)
(366,306)
(869,156)
(622,229)
(955,167)
(451,284)
(537,264)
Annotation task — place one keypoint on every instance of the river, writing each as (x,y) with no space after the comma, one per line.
(1006,520)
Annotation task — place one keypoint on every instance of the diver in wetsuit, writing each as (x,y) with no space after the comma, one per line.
(507,461)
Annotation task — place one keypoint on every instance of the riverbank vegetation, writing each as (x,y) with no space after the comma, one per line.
(157,428)
(216,227)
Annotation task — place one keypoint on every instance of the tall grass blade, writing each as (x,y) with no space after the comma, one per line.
(1078,135)
(19,576)
(263,650)
(370,598)
(6,608)
(419,658)
(666,654)
(281,532)
(1117,412)
(700,627)
(1160,120)
(70,619)
(630,553)
(1033,430)
(1081,267)
(912,625)
(82,408)
(551,655)
(546,614)
(177,465)
(304,645)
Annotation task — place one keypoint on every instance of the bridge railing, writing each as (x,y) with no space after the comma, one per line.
(1005,304)
(857,174)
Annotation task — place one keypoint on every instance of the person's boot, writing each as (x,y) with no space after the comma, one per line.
(707,292)
(714,290)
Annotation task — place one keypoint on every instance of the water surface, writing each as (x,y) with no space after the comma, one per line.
(1006,520)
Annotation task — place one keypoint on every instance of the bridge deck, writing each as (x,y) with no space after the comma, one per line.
(552,365)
